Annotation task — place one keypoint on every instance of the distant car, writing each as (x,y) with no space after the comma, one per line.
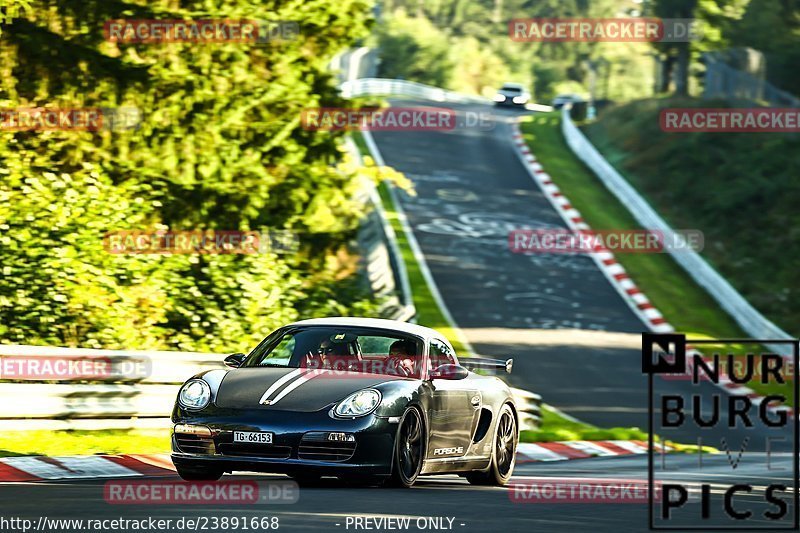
(365,400)
(514,94)
(562,99)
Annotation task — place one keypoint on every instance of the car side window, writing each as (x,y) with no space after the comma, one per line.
(441,354)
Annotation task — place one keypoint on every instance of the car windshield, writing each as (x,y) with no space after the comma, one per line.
(511,89)
(347,349)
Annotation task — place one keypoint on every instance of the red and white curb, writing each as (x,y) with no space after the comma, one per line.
(528,452)
(609,266)
(38,468)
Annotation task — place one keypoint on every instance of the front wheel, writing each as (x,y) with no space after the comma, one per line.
(504,452)
(409,448)
(199,473)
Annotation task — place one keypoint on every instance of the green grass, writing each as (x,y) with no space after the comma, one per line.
(684,304)
(57,443)
(360,143)
(739,189)
(557,428)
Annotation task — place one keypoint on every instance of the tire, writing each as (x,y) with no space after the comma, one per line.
(199,473)
(409,449)
(504,452)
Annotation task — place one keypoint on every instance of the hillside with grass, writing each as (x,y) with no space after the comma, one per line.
(740,189)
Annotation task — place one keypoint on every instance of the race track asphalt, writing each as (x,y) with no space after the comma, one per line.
(471,509)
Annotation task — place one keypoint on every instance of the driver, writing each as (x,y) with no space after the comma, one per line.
(327,355)
(319,357)
(401,358)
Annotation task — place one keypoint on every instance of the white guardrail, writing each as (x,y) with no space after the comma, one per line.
(384,267)
(388,87)
(751,321)
(139,392)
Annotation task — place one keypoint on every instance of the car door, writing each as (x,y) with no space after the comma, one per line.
(455,406)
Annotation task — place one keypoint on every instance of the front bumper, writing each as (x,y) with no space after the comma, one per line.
(298,445)
(509,103)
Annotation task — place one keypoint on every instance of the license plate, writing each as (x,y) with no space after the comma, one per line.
(256,437)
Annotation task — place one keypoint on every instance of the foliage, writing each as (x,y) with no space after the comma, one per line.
(481,55)
(220,146)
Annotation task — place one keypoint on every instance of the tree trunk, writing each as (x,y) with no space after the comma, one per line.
(682,71)
(667,66)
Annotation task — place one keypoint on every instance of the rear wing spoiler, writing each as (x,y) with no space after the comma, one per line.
(473,363)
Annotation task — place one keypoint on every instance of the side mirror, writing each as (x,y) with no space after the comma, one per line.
(449,372)
(235,360)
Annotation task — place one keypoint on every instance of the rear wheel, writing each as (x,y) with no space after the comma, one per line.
(504,452)
(199,473)
(409,449)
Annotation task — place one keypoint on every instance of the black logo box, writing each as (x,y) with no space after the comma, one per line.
(676,344)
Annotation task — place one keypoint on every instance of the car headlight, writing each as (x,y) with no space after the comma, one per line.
(499,98)
(195,394)
(518,99)
(359,404)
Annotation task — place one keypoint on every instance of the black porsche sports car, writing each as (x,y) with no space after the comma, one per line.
(365,400)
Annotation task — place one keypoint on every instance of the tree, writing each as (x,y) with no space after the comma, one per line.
(220,147)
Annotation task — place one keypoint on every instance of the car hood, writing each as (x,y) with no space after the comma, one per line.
(292,389)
